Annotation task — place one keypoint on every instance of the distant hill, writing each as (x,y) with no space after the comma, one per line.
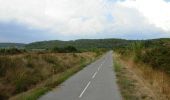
(10,45)
(86,43)
(80,44)
(158,42)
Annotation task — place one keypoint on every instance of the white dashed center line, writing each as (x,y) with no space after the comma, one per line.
(98,68)
(85,89)
(94,75)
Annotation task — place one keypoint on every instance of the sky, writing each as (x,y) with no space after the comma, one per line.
(27,21)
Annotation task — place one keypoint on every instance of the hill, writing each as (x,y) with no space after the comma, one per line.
(87,43)
(158,42)
(80,44)
(10,45)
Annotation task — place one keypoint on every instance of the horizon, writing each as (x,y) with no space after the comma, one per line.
(86,39)
(27,21)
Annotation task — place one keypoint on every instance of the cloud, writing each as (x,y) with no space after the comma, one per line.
(155,11)
(129,20)
(61,16)
(94,18)
(12,32)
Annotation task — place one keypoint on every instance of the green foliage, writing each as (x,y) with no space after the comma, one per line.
(99,51)
(83,44)
(158,58)
(70,49)
(117,66)
(67,49)
(137,48)
(35,94)
(155,53)
(11,51)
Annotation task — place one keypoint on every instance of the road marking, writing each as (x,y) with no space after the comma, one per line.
(99,68)
(85,89)
(94,75)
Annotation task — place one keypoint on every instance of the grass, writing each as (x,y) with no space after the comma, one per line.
(49,84)
(139,81)
(155,55)
(48,69)
(117,66)
(157,80)
(125,83)
(33,95)
(150,61)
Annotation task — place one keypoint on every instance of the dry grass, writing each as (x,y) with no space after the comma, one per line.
(149,84)
(19,73)
(125,80)
(157,81)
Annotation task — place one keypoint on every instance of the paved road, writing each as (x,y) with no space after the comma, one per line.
(95,82)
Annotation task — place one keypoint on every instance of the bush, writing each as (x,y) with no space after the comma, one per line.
(158,58)
(155,54)
(68,49)
(11,51)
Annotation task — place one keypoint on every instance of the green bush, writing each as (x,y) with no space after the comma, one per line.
(67,49)
(70,49)
(158,58)
(155,53)
(10,51)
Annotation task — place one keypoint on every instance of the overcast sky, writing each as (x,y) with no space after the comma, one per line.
(35,20)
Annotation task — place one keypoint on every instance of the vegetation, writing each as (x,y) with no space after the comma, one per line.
(16,72)
(83,44)
(135,81)
(125,83)
(158,58)
(11,51)
(149,61)
(155,53)
(52,62)
(68,49)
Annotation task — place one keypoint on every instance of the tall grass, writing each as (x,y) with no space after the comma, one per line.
(11,51)
(19,73)
(125,83)
(152,64)
(158,57)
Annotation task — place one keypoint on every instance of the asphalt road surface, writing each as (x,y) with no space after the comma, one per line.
(97,81)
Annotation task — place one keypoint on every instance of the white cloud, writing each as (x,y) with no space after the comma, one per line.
(156,11)
(79,17)
(129,20)
(62,16)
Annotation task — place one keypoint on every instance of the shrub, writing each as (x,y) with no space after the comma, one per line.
(68,49)
(158,58)
(155,54)
(11,51)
